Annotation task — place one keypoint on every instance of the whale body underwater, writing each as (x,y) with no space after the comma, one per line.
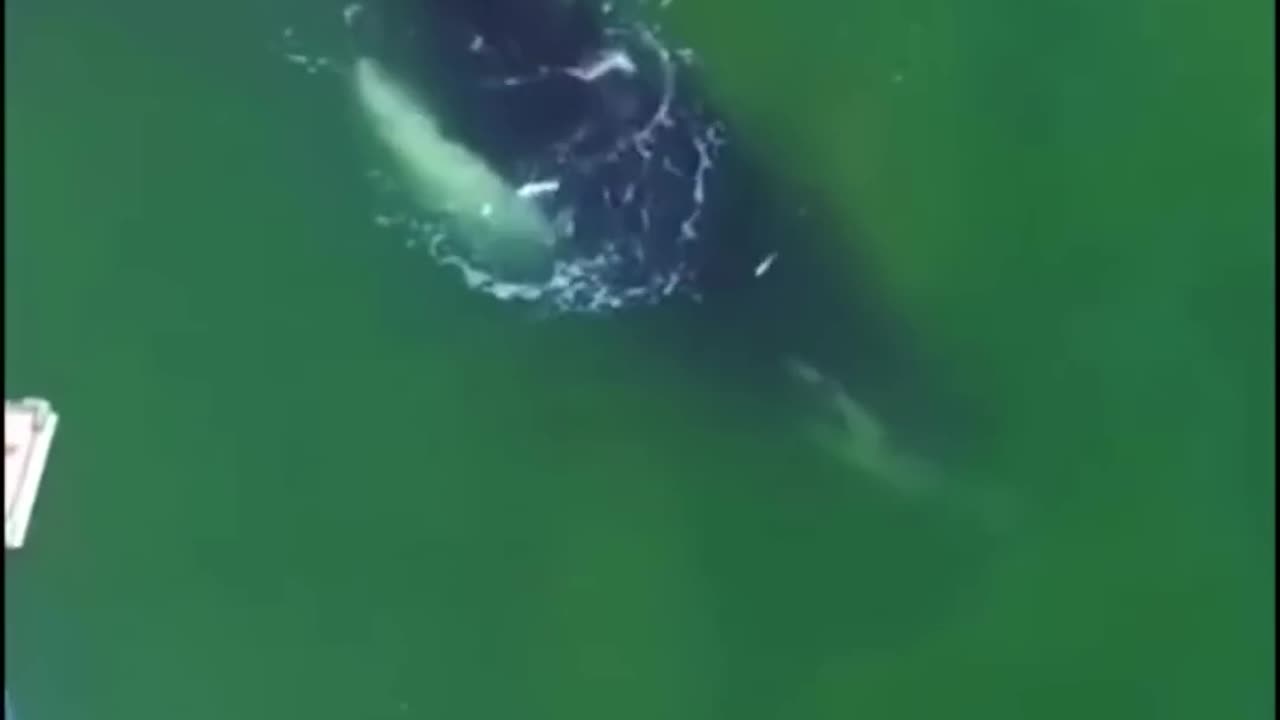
(565,154)
(562,154)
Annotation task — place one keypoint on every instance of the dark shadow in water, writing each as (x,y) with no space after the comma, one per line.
(809,561)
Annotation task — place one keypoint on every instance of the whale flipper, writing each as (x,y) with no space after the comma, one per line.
(501,227)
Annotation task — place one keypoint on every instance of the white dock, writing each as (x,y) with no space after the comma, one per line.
(28,432)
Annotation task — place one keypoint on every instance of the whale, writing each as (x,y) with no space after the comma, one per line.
(566,154)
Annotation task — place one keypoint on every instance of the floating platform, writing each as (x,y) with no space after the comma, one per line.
(28,433)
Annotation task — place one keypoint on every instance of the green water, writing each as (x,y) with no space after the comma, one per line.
(302,474)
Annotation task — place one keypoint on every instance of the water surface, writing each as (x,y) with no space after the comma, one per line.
(302,473)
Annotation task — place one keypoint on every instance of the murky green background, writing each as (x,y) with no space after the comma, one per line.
(301,474)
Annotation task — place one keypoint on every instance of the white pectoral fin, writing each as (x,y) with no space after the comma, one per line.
(502,223)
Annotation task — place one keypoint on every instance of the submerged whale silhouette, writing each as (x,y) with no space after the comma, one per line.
(577,146)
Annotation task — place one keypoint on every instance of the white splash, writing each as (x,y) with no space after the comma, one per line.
(765,264)
(538,188)
(608,62)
